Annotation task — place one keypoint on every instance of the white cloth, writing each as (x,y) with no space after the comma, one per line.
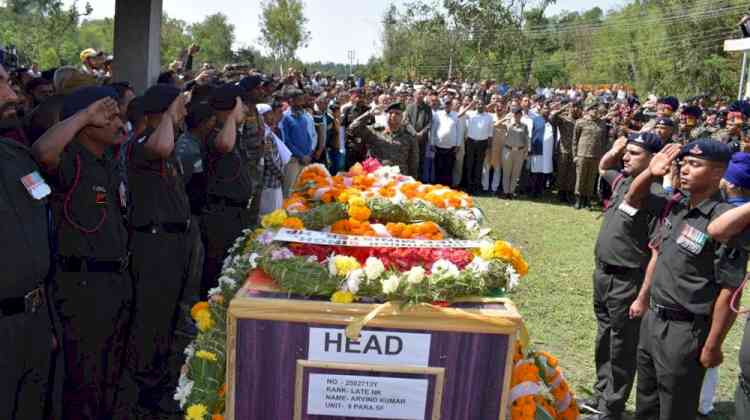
(543,163)
(311,129)
(270,200)
(446,131)
(479,126)
(708,391)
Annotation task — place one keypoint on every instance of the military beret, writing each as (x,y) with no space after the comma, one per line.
(225,97)
(707,149)
(396,106)
(740,106)
(738,171)
(664,121)
(693,111)
(158,98)
(251,82)
(83,97)
(648,141)
(197,113)
(671,101)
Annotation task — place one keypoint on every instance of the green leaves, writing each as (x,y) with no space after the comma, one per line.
(283,27)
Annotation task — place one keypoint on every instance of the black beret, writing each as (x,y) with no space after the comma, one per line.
(671,101)
(707,149)
(396,106)
(225,97)
(158,98)
(36,82)
(740,106)
(649,141)
(83,97)
(198,112)
(251,82)
(667,122)
(693,111)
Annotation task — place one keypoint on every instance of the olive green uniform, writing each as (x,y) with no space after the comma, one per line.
(227,212)
(25,326)
(566,168)
(726,137)
(691,269)
(398,148)
(622,254)
(161,248)
(356,148)
(588,147)
(93,287)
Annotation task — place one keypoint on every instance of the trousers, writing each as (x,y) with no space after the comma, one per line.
(444,161)
(221,226)
(458,166)
(473,162)
(586,171)
(512,165)
(566,173)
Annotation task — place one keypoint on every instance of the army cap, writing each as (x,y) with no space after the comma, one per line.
(669,100)
(693,111)
(738,171)
(82,98)
(665,122)
(251,82)
(158,98)
(648,141)
(707,149)
(396,106)
(225,97)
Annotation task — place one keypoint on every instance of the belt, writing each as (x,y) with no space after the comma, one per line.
(614,269)
(28,303)
(228,202)
(155,228)
(518,148)
(672,314)
(92,265)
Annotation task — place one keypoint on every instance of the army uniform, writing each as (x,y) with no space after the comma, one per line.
(727,137)
(419,116)
(227,212)
(25,326)
(252,134)
(691,268)
(93,288)
(161,247)
(622,254)
(356,147)
(566,168)
(399,148)
(588,143)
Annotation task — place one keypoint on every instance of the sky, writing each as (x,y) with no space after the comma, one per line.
(336,26)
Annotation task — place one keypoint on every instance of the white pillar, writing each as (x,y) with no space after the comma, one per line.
(137,42)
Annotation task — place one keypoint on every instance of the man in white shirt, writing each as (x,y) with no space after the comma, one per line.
(479,128)
(446,143)
(458,165)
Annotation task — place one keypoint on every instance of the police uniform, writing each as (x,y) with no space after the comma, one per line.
(566,168)
(93,289)
(160,220)
(588,142)
(691,269)
(622,254)
(25,261)
(390,148)
(229,191)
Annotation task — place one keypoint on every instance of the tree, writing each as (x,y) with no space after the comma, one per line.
(174,39)
(215,35)
(283,28)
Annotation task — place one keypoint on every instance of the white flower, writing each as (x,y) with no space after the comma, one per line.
(374,268)
(184,389)
(513,279)
(353,280)
(390,285)
(415,275)
(332,265)
(230,270)
(253,259)
(444,268)
(479,265)
(225,281)
(214,291)
(189,351)
(312,259)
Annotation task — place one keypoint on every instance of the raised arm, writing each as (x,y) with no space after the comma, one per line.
(227,137)
(612,158)
(730,224)
(659,166)
(160,143)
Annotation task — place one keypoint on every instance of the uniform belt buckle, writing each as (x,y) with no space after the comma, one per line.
(34,300)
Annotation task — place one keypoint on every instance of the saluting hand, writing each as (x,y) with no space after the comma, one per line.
(238,113)
(620,144)
(101,112)
(662,161)
(177,109)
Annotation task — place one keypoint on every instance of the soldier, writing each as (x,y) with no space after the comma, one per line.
(356,150)
(564,120)
(391,145)
(689,284)
(160,223)
(93,289)
(665,108)
(514,152)
(229,185)
(252,133)
(25,260)
(589,137)
(689,128)
(664,128)
(622,254)
(732,134)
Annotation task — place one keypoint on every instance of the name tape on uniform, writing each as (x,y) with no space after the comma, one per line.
(334,239)
(375,397)
(373,347)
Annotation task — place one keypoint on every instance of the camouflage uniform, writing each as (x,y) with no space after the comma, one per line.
(399,148)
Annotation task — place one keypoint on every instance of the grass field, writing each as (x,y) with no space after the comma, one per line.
(555,299)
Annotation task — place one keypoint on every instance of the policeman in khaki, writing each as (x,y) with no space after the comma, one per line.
(564,120)
(689,282)
(589,139)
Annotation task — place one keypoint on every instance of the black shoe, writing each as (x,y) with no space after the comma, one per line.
(579,203)
(562,197)
(589,405)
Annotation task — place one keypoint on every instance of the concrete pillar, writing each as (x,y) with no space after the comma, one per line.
(137,42)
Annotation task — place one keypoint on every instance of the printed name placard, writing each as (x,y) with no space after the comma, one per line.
(373,397)
(334,239)
(373,347)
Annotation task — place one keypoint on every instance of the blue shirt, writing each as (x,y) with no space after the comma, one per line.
(295,135)
(537,134)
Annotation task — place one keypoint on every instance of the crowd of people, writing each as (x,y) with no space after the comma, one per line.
(121,207)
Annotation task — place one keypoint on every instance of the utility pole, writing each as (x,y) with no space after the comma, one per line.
(450,68)
(351,55)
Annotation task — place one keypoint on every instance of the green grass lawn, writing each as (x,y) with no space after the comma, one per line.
(555,299)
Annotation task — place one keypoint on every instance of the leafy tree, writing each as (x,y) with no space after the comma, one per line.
(215,35)
(283,28)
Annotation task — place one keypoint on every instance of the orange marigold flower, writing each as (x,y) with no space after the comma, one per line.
(361,213)
(198,307)
(293,223)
